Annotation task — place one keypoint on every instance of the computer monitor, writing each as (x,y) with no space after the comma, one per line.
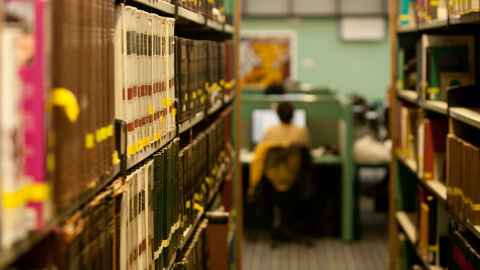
(263,119)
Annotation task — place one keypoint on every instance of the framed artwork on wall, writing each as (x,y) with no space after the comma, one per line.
(267,57)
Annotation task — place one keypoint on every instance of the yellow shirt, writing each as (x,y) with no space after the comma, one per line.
(287,134)
(281,135)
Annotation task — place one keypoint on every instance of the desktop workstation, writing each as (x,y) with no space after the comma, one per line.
(329,119)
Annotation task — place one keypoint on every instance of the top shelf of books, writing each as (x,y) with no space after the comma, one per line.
(426,16)
(209,17)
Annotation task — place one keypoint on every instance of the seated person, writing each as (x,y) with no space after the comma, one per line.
(280,159)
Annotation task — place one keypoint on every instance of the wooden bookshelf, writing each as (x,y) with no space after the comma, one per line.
(200,23)
(452,113)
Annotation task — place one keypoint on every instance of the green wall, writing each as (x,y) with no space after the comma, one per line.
(325,60)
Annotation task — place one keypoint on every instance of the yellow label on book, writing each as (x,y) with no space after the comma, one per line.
(115,158)
(64,98)
(12,200)
(198,207)
(150,109)
(51,162)
(188,204)
(38,192)
(433,90)
(109,131)
(209,180)
(89,141)
(434,3)
(165,243)
(131,150)
(174,112)
(99,135)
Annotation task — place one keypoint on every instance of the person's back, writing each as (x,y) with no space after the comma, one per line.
(286,133)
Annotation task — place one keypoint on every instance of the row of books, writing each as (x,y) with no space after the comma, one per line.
(24,191)
(406,137)
(144,81)
(463,7)
(421,12)
(463,191)
(213,9)
(196,256)
(82,120)
(108,63)
(417,12)
(204,70)
(140,221)
(432,229)
(432,150)
(436,63)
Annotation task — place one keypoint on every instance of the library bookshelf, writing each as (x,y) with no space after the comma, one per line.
(434,191)
(136,138)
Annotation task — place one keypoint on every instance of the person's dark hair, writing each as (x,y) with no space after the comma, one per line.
(285,112)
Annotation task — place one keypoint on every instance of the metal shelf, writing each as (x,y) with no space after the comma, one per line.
(409,163)
(138,158)
(407,225)
(215,25)
(190,15)
(471,18)
(408,95)
(435,106)
(438,24)
(191,122)
(168,8)
(215,107)
(438,188)
(466,116)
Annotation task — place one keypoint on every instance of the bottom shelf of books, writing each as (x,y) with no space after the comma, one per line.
(151,218)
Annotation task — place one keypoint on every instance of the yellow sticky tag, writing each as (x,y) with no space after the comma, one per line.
(38,192)
(89,141)
(65,99)
(115,158)
(150,109)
